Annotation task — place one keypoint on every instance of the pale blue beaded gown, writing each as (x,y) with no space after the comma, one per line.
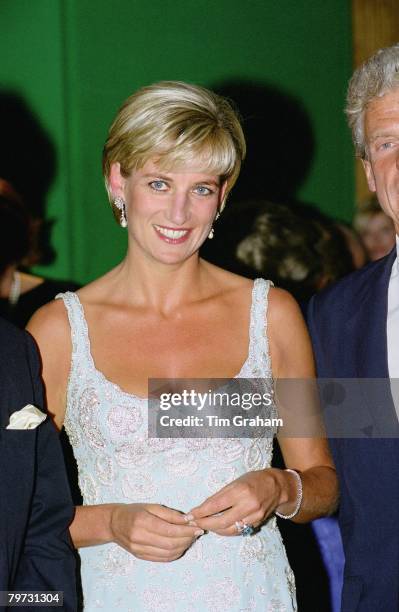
(118,463)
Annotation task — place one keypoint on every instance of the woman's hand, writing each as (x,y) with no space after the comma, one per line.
(152,532)
(250,499)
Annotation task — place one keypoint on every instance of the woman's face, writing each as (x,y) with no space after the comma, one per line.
(378,235)
(169,214)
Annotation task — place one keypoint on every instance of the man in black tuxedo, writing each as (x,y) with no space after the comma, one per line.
(36,553)
(354,326)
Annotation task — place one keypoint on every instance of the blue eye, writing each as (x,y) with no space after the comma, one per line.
(202,190)
(158,185)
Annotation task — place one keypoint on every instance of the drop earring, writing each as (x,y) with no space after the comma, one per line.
(119,203)
(212,232)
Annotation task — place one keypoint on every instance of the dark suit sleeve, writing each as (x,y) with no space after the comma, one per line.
(48,561)
(35,371)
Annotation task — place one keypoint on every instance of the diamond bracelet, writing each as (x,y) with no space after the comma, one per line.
(298,497)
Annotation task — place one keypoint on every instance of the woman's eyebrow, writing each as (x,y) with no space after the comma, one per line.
(166,177)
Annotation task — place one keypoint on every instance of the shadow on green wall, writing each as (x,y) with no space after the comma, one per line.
(280,140)
(28,161)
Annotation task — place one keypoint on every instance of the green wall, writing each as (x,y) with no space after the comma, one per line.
(75,61)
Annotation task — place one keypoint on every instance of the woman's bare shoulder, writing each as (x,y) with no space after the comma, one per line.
(282,307)
(50,328)
(289,339)
(50,319)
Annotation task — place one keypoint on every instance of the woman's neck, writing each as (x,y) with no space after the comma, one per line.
(163,287)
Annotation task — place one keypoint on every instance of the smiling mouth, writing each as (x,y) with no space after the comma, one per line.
(172,235)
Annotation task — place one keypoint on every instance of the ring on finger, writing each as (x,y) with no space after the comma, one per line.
(244,529)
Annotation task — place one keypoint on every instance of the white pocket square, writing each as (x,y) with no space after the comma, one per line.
(29,417)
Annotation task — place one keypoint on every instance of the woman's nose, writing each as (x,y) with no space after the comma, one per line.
(178,211)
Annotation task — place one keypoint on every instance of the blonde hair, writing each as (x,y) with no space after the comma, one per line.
(177,123)
(374,78)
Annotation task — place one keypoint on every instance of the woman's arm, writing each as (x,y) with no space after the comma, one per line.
(255,495)
(309,454)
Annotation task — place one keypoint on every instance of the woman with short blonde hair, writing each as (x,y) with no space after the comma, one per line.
(177,522)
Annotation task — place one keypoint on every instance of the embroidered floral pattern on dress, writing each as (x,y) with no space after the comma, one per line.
(140,487)
(88,408)
(105,470)
(117,462)
(127,455)
(124,420)
(226,449)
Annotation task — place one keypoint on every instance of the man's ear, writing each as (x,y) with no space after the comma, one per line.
(368,169)
(116,182)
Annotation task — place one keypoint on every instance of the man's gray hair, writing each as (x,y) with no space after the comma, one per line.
(374,78)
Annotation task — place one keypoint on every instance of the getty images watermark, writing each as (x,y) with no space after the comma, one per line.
(203,401)
(258,407)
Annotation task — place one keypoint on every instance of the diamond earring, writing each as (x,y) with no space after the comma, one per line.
(212,232)
(121,206)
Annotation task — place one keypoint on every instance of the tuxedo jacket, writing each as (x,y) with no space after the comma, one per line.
(348,326)
(35,505)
